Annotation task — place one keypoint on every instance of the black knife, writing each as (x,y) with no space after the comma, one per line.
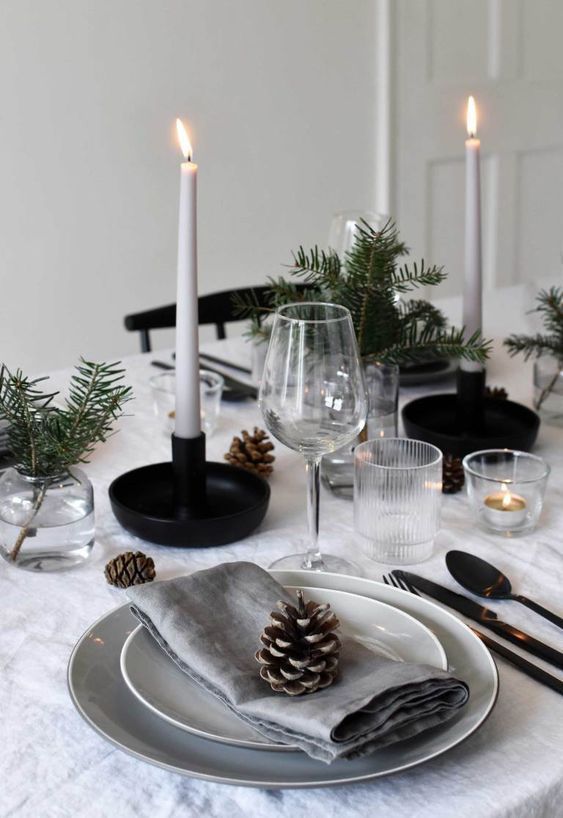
(522,664)
(485,616)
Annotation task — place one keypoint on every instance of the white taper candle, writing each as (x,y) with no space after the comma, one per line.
(188,418)
(472,289)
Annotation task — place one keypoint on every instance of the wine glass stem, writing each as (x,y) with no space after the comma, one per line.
(313,559)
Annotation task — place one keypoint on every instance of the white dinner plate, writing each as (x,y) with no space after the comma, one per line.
(101,696)
(160,684)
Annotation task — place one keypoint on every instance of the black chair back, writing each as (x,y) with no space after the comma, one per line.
(216,308)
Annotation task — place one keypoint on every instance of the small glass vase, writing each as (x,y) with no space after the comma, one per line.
(382,384)
(548,389)
(46,523)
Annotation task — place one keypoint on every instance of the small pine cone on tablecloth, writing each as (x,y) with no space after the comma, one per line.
(496,392)
(252,452)
(453,476)
(301,649)
(130,569)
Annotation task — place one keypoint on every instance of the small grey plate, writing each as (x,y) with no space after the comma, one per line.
(160,684)
(103,699)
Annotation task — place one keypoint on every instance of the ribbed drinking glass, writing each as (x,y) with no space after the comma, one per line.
(397,497)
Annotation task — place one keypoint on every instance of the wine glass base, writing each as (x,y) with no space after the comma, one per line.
(328,563)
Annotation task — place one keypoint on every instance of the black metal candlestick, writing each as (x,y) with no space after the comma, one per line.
(466,421)
(189,502)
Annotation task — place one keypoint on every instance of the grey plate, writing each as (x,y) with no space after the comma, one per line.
(104,701)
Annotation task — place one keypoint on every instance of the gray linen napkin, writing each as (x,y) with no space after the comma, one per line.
(209,624)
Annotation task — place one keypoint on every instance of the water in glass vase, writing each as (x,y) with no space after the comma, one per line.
(337,472)
(46,524)
(548,389)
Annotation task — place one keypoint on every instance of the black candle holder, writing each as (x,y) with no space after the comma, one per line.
(466,421)
(189,502)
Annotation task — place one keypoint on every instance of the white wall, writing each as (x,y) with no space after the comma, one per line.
(280,99)
(507,53)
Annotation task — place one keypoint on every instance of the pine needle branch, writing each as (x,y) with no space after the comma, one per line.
(368,280)
(533,345)
(549,304)
(47,439)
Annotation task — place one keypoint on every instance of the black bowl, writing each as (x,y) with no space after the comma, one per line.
(434,419)
(143,502)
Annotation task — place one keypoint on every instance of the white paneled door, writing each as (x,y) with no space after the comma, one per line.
(509,55)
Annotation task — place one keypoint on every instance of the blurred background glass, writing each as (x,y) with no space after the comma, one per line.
(164,398)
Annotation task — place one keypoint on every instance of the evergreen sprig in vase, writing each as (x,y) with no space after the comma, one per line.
(547,348)
(46,503)
(371,280)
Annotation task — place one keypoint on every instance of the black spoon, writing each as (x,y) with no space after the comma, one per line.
(483,579)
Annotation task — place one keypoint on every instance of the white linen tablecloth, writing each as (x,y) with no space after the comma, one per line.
(52,765)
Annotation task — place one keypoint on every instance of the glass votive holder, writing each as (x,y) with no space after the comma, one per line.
(164,399)
(397,497)
(506,489)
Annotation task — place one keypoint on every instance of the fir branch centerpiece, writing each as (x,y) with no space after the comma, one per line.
(47,437)
(371,281)
(549,306)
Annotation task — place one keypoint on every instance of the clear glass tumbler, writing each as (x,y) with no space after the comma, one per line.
(506,489)
(164,398)
(397,497)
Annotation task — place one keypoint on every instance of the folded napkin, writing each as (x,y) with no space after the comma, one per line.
(209,624)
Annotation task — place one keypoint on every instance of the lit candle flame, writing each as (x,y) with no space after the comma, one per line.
(507,497)
(184,140)
(471,117)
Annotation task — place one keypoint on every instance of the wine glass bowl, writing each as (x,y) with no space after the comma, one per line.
(313,397)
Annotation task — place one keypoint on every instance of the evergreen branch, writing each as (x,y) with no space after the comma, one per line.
(367,282)
(405,278)
(317,267)
(374,254)
(531,345)
(549,304)
(450,344)
(282,291)
(47,439)
(418,310)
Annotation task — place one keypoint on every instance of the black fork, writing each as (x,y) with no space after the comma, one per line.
(396,580)
(399,582)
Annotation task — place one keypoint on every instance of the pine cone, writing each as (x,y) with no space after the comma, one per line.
(453,476)
(130,569)
(496,392)
(301,653)
(252,452)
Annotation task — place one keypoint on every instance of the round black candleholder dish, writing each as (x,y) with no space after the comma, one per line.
(189,502)
(503,424)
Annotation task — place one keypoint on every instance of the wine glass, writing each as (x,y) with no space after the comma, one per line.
(344,228)
(313,399)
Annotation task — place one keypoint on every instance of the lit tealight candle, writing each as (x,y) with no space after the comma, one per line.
(504,509)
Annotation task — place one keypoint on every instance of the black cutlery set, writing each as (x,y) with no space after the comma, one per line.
(482,579)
